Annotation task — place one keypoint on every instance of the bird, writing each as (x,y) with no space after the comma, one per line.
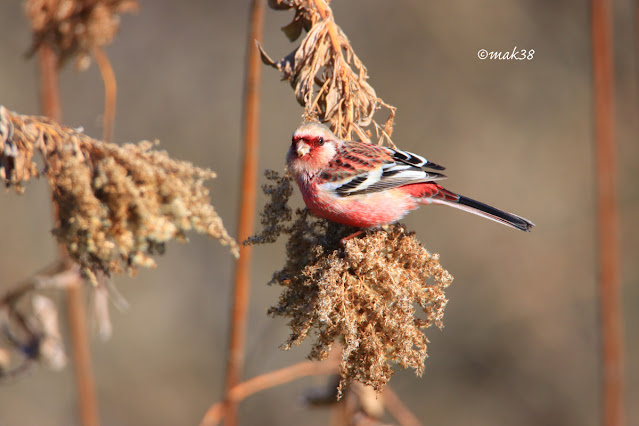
(363,185)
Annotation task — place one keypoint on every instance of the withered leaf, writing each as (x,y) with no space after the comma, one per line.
(293,30)
(330,81)
(280,4)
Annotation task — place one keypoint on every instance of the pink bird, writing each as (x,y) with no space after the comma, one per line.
(364,185)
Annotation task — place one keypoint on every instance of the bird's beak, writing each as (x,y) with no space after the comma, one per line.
(302,149)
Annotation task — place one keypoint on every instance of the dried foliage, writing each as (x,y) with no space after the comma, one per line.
(376,293)
(371,292)
(30,326)
(276,211)
(117,205)
(328,78)
(75,27)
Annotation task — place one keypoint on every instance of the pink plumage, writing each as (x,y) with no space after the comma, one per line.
(364,185)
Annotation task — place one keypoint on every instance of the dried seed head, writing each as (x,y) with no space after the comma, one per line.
(276,211)
(117,205)
(375,293)
(74,27)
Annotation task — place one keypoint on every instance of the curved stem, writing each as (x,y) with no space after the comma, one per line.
(220,409)
(110,93)
(397,409)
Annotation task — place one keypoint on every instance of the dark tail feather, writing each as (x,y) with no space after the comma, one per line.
(464,203)
(495,214)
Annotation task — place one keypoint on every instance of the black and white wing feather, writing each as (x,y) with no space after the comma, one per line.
(361,168)
(413,160)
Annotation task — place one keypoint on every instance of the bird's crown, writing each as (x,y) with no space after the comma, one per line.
(312,129)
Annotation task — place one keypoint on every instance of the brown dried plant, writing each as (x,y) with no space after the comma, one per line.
(371,293)
(30,325)
(320,70)
(117,205)
(75,27)
(366,299)
(375,293)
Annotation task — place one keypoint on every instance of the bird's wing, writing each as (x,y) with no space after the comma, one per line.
(413,159)
(361,168)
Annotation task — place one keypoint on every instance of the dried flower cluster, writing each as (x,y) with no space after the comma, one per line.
(321,72)
(117,205)
(74,27)
(372,291)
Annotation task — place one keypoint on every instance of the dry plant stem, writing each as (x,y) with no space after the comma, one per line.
(85,384)
(332,32)
(49,90)
(324,11)
(241,288)
(397,409)
(110,93)
(607,213)
(216,412)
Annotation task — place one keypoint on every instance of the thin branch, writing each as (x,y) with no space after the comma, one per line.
(608,215)
(31,283)
(110,92)
(241,288)
(85,384)
(49,90)
(217,411)
(326,14)
(397,409)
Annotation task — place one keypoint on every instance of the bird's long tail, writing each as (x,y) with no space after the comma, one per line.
(448,198)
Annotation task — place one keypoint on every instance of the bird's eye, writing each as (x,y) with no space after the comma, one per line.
(320,141)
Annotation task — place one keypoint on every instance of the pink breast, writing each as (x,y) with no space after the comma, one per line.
(362,211)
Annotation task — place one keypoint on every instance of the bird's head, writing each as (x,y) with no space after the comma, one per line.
(313,147)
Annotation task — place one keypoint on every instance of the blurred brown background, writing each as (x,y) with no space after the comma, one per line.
(520,342)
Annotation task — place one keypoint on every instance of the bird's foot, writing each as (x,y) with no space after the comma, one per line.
(351,236)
